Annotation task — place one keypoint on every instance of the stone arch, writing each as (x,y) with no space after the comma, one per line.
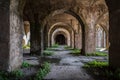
(77,16)
(63,32)
(104,26)
(61,24)
(100,37)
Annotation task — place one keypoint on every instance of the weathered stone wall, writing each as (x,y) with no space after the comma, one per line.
(16,34)
(4,34)
(11,34)
(88,11)
(114,32)
(69,22)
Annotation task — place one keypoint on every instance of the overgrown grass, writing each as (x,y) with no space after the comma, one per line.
(42,71)
(47,53)
(97,54)
(102,70)
(76,52)
(68,47)
(26,46)
(14,75)
(25,64)
(95,63)
(55,46)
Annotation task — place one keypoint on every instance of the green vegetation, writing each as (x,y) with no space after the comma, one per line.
(102,70)
(26,46)
(17,73)
(14,75)
(68,47)
(55,46)
(43,71)
(4,75)
(25,65)
(76,52)
(97,54)
(47,53)
(99,64)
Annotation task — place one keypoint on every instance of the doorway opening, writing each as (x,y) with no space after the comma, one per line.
(60,39)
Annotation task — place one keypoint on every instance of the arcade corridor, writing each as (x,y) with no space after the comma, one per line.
(33,29)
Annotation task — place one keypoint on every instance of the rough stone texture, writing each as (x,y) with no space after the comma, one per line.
(86,12)
(114,33)
(11,34)
(16,34)
(65,66)
(37,12)
(4,36)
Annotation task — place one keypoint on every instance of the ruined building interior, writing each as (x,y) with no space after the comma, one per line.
(71,33)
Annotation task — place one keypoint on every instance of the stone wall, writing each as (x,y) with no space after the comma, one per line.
(4,34)
(16,34)
(114,33)
(88,11)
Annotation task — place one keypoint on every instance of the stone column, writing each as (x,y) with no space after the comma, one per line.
(90,36)
(114,32)
(107,42)
(90,40)
(4,35)
(11,26)
(35,38)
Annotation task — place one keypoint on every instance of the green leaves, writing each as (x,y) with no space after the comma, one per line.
(26,65)
(43,71)
(98,64)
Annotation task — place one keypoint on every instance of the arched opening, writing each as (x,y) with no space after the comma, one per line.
(26,38)
(60,39)
(71,22)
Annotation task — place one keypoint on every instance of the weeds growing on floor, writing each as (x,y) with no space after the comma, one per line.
(75,52)
(26,46)
(14,75)
(55,46)
(42,72)
(97,54)
(25,64)
(68,47)
(101,70)
(47,53)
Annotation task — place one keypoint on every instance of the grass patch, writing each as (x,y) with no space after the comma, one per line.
(55,46)
(101,70)
(68,47)
(26,46)
(47,53)
(95,63)
(42,72)
(14,75)
(97,54)
(76,52)
(25,64)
